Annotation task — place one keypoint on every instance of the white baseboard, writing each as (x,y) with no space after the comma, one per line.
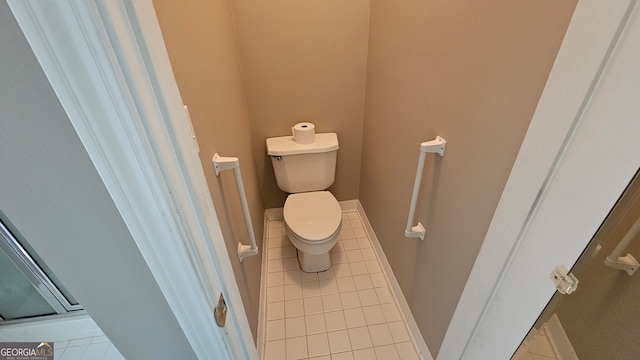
(262,307)
(414,331)
(349,205)
(274,214)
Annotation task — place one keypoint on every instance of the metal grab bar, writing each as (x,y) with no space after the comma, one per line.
(226,163)
(627,263)
(434,146)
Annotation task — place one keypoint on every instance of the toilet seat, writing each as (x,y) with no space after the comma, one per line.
(312,216)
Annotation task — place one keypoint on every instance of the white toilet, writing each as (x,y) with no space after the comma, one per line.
(312,216)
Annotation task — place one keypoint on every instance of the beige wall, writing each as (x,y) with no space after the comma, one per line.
(471,72)
(305,61)
(201,43)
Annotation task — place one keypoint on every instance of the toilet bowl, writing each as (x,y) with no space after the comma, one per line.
(312,222)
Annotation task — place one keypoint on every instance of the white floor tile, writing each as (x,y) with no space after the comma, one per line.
(60,345)
(383,294)
(275,330)
(318,344)
(354,255)
(331,302)
(312,305)
(360,338)
(311,288)
(335,320)
(342,356)
(275,278)
(96,351)
(387,352)
(373,315)
(292,277)
(391,312)
(399,331)
(354,317)
(275,293)
(406,351)
(368,297)
(350,300)
(346,284)
(358,268)
(275,350)
(292,292)
(306,277)
(363,282)
(329,274)
(296,348)
(378,280)
(275,310)
(100,339)
(73,353)
(293,308)
(294,327)
(315,324)
(290,263)
(79,342)
(380,334)
(323,357)
(113,354)
(339,341)
(364,354)
(328,286)
(341,269)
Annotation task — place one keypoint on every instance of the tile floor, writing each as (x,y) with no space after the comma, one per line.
(346,312)
(74,337)
(91,348)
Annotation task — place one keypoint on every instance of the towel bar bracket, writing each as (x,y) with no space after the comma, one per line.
(222,163)
(434,146)
(627,263)
(416,231)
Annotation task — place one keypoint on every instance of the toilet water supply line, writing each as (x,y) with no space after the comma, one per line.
(226,163)
(434,146)
(627,263)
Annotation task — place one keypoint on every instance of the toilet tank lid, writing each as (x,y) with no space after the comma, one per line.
(285,145)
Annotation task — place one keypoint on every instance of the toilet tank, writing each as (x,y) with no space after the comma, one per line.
(304,167)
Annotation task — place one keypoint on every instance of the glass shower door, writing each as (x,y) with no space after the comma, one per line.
(601,319)
(27,287)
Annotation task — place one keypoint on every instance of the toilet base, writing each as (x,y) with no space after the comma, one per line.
(311,263)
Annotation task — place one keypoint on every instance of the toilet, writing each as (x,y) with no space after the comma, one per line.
(312,215)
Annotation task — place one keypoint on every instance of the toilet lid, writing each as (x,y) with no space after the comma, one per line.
(312,215)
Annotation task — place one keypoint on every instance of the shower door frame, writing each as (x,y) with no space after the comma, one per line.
(509,284)
(37,277)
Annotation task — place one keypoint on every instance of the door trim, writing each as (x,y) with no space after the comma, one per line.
(107,63)
(583,56)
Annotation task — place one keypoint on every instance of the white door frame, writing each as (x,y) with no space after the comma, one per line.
(107,63)
(571,169)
